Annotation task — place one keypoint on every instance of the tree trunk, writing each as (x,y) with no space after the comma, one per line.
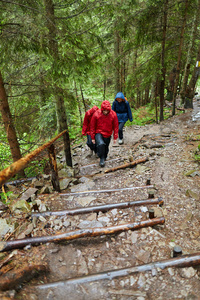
(78,102)
(146,96)
(179,58)
(116,61)
(83,99)
(163,69)
(9,126)
(60,107)
(189,55)
(195,76)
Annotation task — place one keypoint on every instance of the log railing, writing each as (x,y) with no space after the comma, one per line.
(24,161)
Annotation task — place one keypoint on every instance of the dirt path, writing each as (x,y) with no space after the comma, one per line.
(175,175)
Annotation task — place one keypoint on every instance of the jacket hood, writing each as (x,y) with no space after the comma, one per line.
(93,109)
(105,105)
(120,95)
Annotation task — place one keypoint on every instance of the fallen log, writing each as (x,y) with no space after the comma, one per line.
(108,191)
(128,165)
(98,208)
(12,279)
(180,262)
(73,235)
(23,162)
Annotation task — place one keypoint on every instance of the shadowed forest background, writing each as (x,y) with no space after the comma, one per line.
(59,58)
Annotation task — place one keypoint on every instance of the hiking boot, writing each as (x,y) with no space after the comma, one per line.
(102,162)
(120,141)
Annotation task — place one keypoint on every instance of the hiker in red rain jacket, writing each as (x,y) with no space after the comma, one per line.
(104,122)
(86,128)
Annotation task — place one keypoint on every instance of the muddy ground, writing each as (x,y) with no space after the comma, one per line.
(175,176)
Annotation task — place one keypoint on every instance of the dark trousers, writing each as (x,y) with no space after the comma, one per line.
(120,132)
(102,145)
(90,143)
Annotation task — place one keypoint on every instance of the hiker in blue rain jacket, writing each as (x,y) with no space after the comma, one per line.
(123,111)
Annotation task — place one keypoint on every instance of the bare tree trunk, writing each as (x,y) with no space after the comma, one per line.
(83,99)
(189,54)
(9,126)
(116,61)
(78,102)
(163,70)
(195,75)
(179,58)
(104,88)
(146,97)
(60,107)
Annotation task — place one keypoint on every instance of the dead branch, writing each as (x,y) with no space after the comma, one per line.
(21,163)
(72,235)
(98,208)
(128,165)
(15,277)
(180,262)
(6,260)
(108,191)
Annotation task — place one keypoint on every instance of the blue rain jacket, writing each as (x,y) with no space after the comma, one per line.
(122,109)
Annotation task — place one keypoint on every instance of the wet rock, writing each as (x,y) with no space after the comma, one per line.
(92,217)
(66,223)
(28,194)
(20,232)
(134,237)
(64,183)
(90,224)
(104,220)
(84,201)
(41,206)
(141,281)
(187,272)
(171,271)
(66,172)
(82,187)
(192,194)
(46,190)
(81,263)
(38,184)
(5,227)
(143,256)
(20,206)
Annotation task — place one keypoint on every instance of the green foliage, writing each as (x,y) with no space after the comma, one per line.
(142,116)
(197,154)
(5,154)
(36,167)
(5,197)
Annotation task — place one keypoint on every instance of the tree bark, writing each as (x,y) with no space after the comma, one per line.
(60,107)
(128,165)
(103,208)
(23,162)
(78,102)
(83,99)
(116,61)
(179,58)
(163,69)
(181,262)
(16,277)
(189,55)
(77,234)
(9,126)
(195,76)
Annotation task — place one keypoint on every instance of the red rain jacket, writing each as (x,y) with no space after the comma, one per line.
(104,124)
(87,119)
